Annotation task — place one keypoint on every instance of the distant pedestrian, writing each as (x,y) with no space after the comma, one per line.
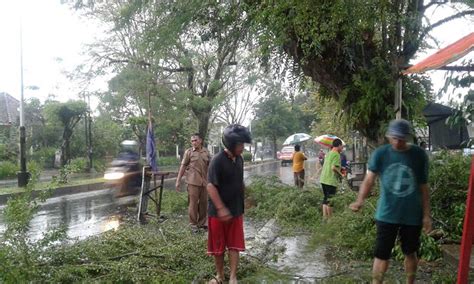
(344,164)
(226,202)
(403,208)
(194,166)
(321,156)
(298,166)
(330,175)
(423,145)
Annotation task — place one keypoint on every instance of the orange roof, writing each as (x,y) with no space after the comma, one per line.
(444,56)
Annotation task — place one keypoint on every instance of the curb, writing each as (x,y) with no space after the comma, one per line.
(60,191)
(451,256)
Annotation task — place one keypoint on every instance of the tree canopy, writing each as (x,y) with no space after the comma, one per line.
(353,49)
(68,115)
(185,52)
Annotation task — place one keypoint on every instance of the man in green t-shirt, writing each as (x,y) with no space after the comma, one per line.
(404,207)
(329,175)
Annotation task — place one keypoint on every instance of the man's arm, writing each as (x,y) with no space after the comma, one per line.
(364,191)
(181,171)
(337,170)
(222,212)
(425,199)
(180,175)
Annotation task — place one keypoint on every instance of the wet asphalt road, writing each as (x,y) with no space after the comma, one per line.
(91,213)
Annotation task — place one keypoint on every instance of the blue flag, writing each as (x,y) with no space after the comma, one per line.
(150,148)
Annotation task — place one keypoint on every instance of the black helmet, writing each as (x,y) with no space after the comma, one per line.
(234,134)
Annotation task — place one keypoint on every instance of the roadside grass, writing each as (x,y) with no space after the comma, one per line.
(161,251)
(164,252)
(39,186)
(158,252)
(167,252)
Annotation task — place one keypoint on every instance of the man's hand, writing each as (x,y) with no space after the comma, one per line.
(427,224)
(177,185)
(355,206)
(224,214)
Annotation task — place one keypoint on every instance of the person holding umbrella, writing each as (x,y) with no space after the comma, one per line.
(298,166)
(329,175)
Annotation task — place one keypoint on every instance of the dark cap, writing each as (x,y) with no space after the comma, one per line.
(400,129)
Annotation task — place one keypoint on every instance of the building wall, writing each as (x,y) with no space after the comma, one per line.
(9,110)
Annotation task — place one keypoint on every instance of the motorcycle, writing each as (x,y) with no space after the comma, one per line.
(124,175)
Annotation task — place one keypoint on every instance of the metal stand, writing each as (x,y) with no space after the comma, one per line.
(146,190)
(357,173)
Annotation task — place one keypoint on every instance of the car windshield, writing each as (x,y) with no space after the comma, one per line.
(287,150)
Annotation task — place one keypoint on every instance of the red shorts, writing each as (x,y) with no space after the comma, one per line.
(222,236)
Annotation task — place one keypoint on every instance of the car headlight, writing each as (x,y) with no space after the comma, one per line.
(113,176)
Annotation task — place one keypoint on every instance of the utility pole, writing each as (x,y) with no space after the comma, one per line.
(23,175)
(89,124)
(398,98)
(88,130)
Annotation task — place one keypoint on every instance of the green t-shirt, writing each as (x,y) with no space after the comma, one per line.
(401,174)
(328,176)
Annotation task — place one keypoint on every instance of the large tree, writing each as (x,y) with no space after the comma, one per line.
(66,114)
(354,49)
(127,103)
(188,49)
(274,118)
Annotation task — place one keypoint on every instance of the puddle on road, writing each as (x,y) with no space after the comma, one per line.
(289,255)
(82,214)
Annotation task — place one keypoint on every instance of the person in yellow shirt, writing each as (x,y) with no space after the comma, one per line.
(298,166)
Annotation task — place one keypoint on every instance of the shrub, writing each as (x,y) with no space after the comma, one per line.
(99,165)
(167,161)
(291,207)
(34,168)
(64,174)
(79,165)
(247,156)
(44,157)
(449,178)
(7,153)
(22,257)
(8,170)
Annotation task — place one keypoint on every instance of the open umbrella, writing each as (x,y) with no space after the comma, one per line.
(326,140)
(296,138)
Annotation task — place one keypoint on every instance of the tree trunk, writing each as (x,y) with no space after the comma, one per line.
(63,158)
(68,150)
(274,141)
(203,125)
(65,146)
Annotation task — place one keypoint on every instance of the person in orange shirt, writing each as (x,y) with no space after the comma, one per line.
(298,166)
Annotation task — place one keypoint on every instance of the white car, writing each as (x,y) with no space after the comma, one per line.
(286,155)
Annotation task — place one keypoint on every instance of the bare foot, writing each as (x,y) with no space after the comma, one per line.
(233,281)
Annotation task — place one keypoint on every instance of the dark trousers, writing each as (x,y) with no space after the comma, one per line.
(299,179)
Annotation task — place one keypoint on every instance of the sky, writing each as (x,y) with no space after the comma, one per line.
(53,43)
(54,38)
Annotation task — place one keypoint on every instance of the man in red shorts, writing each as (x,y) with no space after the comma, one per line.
(226,202)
